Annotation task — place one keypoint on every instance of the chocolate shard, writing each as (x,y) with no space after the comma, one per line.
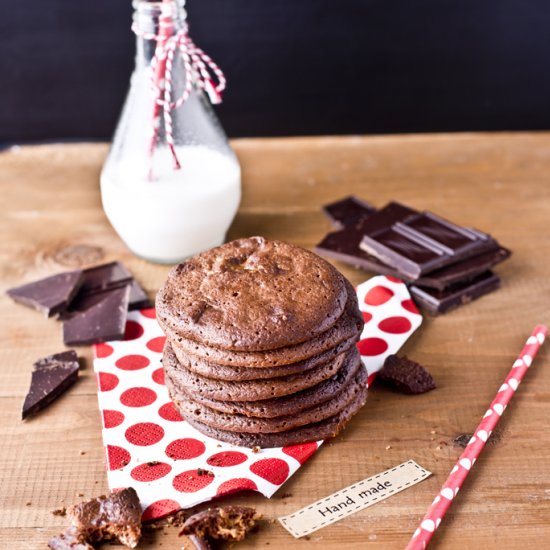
(419,243)
(348,212)
(441,301)
(71,539)
(231,523)
(104,277)
(105,320)
(138,297)
(464,271)
(405,375)
(51,377)
(115,517)
(50,295)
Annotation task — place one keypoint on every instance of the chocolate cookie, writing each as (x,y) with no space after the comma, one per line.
(247,390)
(251,295)
(240,423)
(233,373)
(348,326)
(286,405)
(311,432)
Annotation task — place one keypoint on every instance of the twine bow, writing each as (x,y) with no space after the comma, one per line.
(200,70)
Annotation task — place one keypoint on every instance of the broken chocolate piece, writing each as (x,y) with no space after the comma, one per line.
(51,377)
(348,212)
(441,301)
(104,277)
(103,321)
(231,523)
(406,375)
(50,295)
(71,539)
(138,297)
(114,517)
(419,243)
(343,246)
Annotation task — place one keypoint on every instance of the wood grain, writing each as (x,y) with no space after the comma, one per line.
(52,220)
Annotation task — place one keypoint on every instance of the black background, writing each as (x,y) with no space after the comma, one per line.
(294,67)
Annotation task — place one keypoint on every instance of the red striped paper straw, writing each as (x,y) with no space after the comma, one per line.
(442,501)
(166,30)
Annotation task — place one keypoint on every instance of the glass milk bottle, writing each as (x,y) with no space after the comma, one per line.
(171,184)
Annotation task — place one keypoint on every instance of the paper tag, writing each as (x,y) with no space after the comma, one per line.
(353,498)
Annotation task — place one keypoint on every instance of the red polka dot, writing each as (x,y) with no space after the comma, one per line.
(149,312)
(372,346)
(138,397)
(132,362)
(117,457)
(159,509)
(393,279)
(395,325)
(191,482)
(106,381)
(150,471)
(133,330)
(409,305)
(156,344)
(102,350)
(144,433)
(235,485)
(273,470)
(301,452)
(169,412)
(184,449)
(227,458)
(112,419)
(378,295)
(366,316)
(158,376)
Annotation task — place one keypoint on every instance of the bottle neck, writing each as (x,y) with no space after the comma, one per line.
(155,18)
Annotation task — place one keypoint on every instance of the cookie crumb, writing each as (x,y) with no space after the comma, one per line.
(256,450)
(79,494)
(438,448)
(82,453)
(60,511)
(28,503)
(286,495)
(388,447)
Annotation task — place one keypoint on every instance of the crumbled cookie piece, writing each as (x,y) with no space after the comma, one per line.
(231,523)
(405,375)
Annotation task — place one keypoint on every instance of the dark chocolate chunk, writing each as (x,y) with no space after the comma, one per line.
(114,517)
(463,271)
(105,276)
(71,539)
(419,243)
(231,523)
(462,440)
(348,212)
(105,320)
(138,297)
(51,377)
(343,246)
(440,301)
(405,375)
(50,295)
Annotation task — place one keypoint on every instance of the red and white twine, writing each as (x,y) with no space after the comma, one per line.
(200,71)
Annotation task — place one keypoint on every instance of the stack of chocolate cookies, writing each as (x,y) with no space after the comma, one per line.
(260,347)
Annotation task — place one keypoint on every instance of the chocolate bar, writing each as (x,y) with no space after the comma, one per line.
(51,377)
(348,212)
(105,320)
(50,295)
(343,246)
(421,242)
(441,301)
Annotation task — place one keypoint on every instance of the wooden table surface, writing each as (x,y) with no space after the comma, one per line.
(52,220)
